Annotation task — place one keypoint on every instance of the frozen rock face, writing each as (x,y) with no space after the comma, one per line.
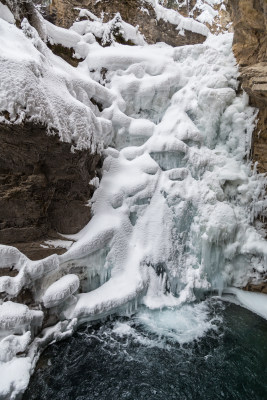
(250,48)
(148,15)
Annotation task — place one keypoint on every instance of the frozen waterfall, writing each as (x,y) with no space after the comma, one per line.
(174,212)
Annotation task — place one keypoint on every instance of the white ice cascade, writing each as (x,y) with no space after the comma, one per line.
(173,214)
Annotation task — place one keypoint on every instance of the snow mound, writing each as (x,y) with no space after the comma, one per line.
(39,86)
(17,318)
(60,290)
(6,14)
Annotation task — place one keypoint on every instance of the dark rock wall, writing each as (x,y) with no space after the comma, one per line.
(43,185)
(250,47)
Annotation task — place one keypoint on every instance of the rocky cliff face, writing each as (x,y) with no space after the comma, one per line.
(43,186)
(135,12)
(250,47)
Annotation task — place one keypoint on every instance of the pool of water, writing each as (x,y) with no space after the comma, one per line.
(209,351)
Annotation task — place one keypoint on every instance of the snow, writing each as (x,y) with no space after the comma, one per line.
(29,271)
(17,318)
(255,302)
(174,194)
(15,376)
(208,13)
(106,31)
(13,344)
(60,290)
(57,35)
(175,18)
(38,86)
(94,182)
(173,212)
(58,243)
(6,14)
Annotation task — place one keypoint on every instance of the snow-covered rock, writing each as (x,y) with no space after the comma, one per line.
(18,318)
(60,290)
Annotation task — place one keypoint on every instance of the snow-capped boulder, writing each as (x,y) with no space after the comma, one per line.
(60,290)
(18,318)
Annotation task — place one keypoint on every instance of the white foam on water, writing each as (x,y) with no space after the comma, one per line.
(183,325)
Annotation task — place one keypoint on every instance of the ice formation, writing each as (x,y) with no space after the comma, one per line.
(173,212)
(39,86)
(175,18)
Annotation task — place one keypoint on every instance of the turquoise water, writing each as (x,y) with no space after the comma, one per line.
(216,352)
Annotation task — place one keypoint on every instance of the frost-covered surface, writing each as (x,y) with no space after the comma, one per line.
(61,290)
(255,302)
(107,32)
(207,11)
(173,212)
(39,86)
(175,18)
(58,243)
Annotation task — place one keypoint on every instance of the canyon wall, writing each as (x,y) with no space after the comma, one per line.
(44,187)
(250,48)
(135,12)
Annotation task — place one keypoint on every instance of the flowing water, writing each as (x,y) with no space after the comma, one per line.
(208,351)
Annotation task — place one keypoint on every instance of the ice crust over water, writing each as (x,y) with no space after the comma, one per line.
(173,212)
